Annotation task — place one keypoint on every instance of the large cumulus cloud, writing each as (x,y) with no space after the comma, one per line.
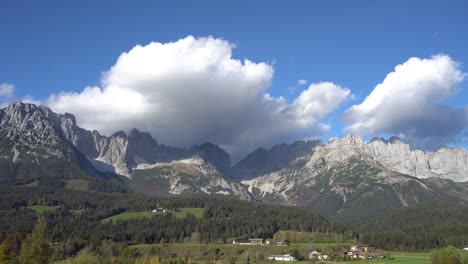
(410,103)
(192,91)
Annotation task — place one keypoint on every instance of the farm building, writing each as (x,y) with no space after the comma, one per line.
(285,257)
(257,241)
(314,254)
(241,241)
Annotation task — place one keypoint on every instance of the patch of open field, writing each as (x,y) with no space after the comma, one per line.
(32,184)
(182,213)
(224,252)
(41,208)
(77,184)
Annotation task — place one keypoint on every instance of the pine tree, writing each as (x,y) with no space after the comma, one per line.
(35,249)
(5,252)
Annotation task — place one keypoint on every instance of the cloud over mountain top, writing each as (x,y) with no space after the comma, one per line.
(192,91)
(409,103)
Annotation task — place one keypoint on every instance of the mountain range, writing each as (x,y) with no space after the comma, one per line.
(340,179)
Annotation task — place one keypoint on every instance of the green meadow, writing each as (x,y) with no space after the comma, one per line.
(41,208)
(182,213)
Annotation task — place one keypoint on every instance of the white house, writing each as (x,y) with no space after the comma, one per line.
(323,257)
(285,257)
(314,254)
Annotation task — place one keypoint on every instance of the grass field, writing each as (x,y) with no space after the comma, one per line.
(197,212)
(205,252)
(399,258)
(32,184)
(202,253)
(77,184)
(41,208)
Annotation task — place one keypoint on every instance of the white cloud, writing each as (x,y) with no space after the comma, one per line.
(7,95)
(409,103)
(193,90)
(7,90)
(301,82)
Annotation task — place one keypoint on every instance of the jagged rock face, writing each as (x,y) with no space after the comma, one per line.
(33,127)
(337,176)
(263,161)
(215,155)
(107,154)
(184,177)
(39,136)
(31,136)
(397,156)
(121,153)
(348,188)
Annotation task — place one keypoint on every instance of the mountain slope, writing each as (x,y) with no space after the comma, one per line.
(32,145)
(185,177)
(345,178)
(36,142)
(263,161)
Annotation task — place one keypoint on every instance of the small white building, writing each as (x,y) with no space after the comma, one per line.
(314,254)
(285,257)
(323,257)
(465,248)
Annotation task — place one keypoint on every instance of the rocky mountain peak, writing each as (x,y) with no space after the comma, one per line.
(69,119)
(215,155)
(120,134)
(263,161)
(394,139)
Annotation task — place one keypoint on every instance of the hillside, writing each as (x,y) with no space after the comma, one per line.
(347,178)
(419,227)
(32,146)
(36,143)
(76,222)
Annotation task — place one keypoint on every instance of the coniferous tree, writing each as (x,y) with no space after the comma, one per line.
(35,249)
(5,256)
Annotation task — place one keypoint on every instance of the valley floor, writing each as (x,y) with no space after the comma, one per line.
(228,253)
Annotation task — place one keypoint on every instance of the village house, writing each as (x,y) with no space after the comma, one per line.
(249,241)
(314,254)
(353,255)
(362,248)
(323,257)
(282,243)
(361,251)
(257,241)
(260,241)
(241,241)
(285,257)
(161,210)
(368,248)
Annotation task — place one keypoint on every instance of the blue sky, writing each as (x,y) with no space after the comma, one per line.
(52,46)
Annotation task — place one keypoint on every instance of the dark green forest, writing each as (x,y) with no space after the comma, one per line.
(420,227)
(75,223)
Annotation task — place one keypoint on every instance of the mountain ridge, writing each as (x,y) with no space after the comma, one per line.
(284,174)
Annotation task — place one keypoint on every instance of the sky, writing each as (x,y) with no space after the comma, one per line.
(244,74)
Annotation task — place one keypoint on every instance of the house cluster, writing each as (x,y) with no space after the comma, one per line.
(260,241)
(285,257)
(161,210)
(363,252)
(317,255)
(354,252)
